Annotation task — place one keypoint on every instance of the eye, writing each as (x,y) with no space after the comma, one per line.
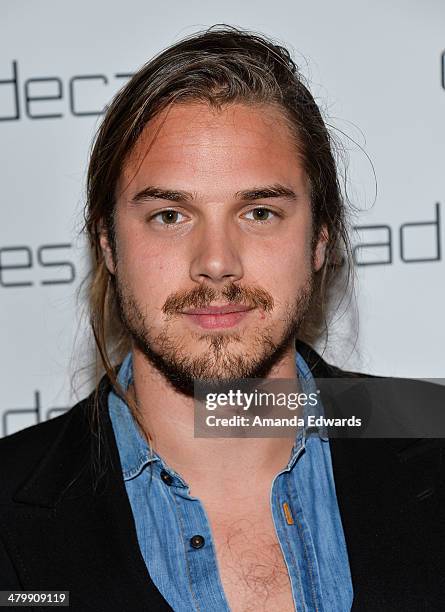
(168,217)
(262,214)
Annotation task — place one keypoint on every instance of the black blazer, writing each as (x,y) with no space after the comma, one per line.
(66,521)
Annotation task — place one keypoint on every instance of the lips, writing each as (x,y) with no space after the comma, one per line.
(218,310)
(218,317)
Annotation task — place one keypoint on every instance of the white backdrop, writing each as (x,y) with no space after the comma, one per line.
(376,68)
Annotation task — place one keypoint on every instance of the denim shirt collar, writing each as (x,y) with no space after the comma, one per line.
(134,451)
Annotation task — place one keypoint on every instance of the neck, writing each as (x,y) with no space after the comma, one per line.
(168,416)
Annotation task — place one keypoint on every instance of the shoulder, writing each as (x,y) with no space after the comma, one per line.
(31,441)
(323,369)
(22,451)
(58,448)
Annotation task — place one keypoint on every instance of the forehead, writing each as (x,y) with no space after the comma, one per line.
(195,146)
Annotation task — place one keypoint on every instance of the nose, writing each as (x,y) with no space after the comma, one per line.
(216,256)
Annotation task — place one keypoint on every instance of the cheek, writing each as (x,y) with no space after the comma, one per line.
(282,277)
(150,273)
(298,267)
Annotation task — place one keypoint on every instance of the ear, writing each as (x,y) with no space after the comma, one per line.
(320,249)
(106,249)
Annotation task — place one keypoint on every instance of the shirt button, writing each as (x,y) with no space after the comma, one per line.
(197,541)
(166,477)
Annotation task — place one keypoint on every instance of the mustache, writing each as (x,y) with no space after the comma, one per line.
(203,296)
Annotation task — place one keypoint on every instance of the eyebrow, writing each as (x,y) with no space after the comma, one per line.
(250,195)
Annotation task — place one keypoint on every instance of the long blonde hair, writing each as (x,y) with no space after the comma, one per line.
(220,65)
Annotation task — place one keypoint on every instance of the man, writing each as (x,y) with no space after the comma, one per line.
(218,231)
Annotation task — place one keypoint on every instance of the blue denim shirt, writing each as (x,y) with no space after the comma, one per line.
(167,517)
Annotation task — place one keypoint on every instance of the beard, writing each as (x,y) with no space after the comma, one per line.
(224,358)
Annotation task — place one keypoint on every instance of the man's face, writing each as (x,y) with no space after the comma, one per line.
(213,209)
